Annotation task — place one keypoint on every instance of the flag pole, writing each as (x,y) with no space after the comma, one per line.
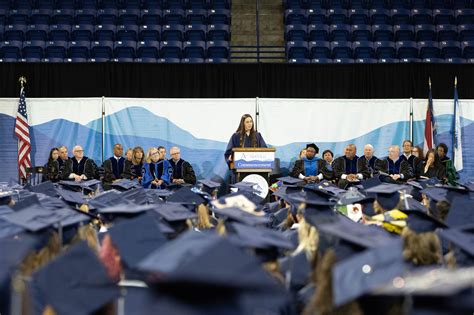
(22,81)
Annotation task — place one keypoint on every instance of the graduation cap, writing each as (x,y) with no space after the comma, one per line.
(312,145)
(286,191)
(136,238)
(70,196)
(421,222)
(371,182)
(137,195)
(126,209)
(463,240)
(435,194)
(206,259)
(76,282)
(289,180)
(209,186)
(330,188)
(364,272)
(125,184)
(48,188)
(351,196)
(172,212)
(5,197)
(82,185)
(414,204)
(237,214)
(186,196)
(52,203)
(107,199)
(461,212)
(387,195)
(8,229)
(296,268)
(259,237)
(31,200)
(247,186)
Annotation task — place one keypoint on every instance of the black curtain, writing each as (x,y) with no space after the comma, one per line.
(236,80)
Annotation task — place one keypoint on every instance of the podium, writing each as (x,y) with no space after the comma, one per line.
(247,161)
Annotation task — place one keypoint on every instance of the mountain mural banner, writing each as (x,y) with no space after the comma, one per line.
(53,122)
(443,125)
(201,128)
(289,124)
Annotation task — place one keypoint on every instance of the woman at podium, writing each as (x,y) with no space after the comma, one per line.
(244,137)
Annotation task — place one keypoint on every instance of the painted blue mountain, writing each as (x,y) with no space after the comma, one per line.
(125,122)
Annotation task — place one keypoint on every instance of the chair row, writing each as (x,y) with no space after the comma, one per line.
(111,32)
(115,4)
(113,16)
(381,60)
(379,16)
(106,50)
(380,32)
(402,49)
(373,4)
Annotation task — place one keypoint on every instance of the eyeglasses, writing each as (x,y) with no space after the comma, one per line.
(79,151)
(155,153)
(175,153)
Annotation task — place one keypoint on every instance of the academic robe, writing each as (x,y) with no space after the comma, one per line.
(414,163)
(321,167)
(183,170)
(400,166)
(85,167)
(113,169)
(370,164)
(132,171)
(234,142)
(159,170)
(62,163)
(51,171)
(343,165)
(439,172)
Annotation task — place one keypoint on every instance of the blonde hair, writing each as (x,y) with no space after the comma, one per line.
(203,218)
(421,248)
(149,154)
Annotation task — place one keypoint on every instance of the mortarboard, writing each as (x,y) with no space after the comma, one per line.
(435,193)
(125,184)
(126,209)
(461,211)
(83,185)
(52,203)
(371,182)
(136,238)
(461,239)
(107,199)
(137,195)
(351,196)
(245,186)
(47,188)
(237,214)
(174,212)
(5,197)
(76,282)
(330,188)
(296,268)
(208,185)
(364,272)
(31,200)
(259,237)
(387,195)
(290,180)
(312,145)
(186,196)
(70,196)
(421,222)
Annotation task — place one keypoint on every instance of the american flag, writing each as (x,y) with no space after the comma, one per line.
(22,131)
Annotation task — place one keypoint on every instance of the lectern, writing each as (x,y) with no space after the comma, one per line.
(252,161)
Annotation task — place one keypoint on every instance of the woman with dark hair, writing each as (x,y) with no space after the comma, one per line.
(432,166)
(245,137)
(133,168)
(51,169)
(417,152)
(328,156)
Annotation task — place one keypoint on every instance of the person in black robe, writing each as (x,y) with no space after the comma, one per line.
(394,168)
(432,166)
(133,168)
(245,137)
(370,158)
(114,166)
(451,173)
(311,168)
(408,156)
(417,167)
(51,168)
(183,172)
(63,157)
(349,168)
(79,167)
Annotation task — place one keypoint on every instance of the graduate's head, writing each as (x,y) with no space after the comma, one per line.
(118,149)
(175,153)
(162,151)
(407,146)
(442,149)
(328,156)
(153,155)
(53,154)
(129,154)
(246,123)
(63,152)
(368,151)
(137,155)
(394,152)
(78,152)
(350,151)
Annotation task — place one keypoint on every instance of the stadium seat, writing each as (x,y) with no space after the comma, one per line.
(219,16)
(217,49)
(429,50)
(341,50)
(102,51)
(33,51)
(148,50)
(37,32)
(450,49)
(296,49)
(316,16)
(171,49)
(195,32)
(56,50)
(196,16)
(126,32)
(194,49)
(104,32)
(151,16)
(218,32)
(149,32)
(172,32)
(318,32)
(407,49)
(447,32)
(78,50)
(296,32)
(124,51)
(319,50)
